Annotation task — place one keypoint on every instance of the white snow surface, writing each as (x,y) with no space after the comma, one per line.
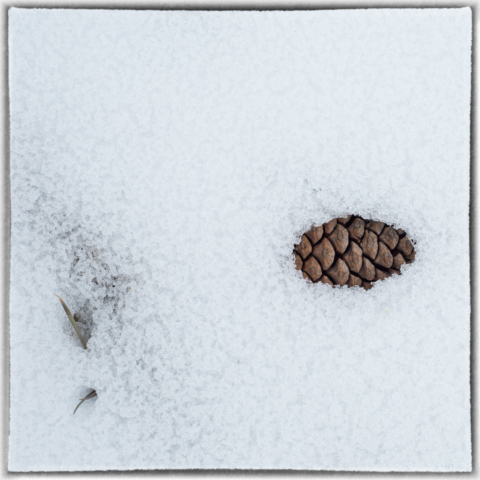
(163,165)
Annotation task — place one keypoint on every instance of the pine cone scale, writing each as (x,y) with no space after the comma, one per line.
(304,248)
(354,281)
(312,268)
(357,229)
(324,253)
(353,257)
(384,256)
(315,234)
(339,239)
(339,273)
(369,244)
(330,226)
(389,237)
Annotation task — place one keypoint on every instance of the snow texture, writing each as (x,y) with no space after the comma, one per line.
(163,165)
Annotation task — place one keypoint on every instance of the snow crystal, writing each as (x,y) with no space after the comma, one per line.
(163,165)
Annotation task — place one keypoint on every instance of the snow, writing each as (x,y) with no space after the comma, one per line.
(163,165)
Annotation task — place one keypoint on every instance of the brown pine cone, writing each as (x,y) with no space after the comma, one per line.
(352,251)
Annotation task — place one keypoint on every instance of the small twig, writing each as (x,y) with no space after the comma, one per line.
(92,394)
(73,322)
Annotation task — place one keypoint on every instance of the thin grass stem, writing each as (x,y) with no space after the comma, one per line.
(73,322)
(92,394)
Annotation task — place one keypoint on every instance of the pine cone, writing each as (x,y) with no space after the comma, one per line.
(352,251)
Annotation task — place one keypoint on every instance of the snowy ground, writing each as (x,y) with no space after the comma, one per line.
(163,164)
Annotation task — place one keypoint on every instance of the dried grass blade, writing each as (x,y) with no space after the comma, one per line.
(92,394)
(73,322)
